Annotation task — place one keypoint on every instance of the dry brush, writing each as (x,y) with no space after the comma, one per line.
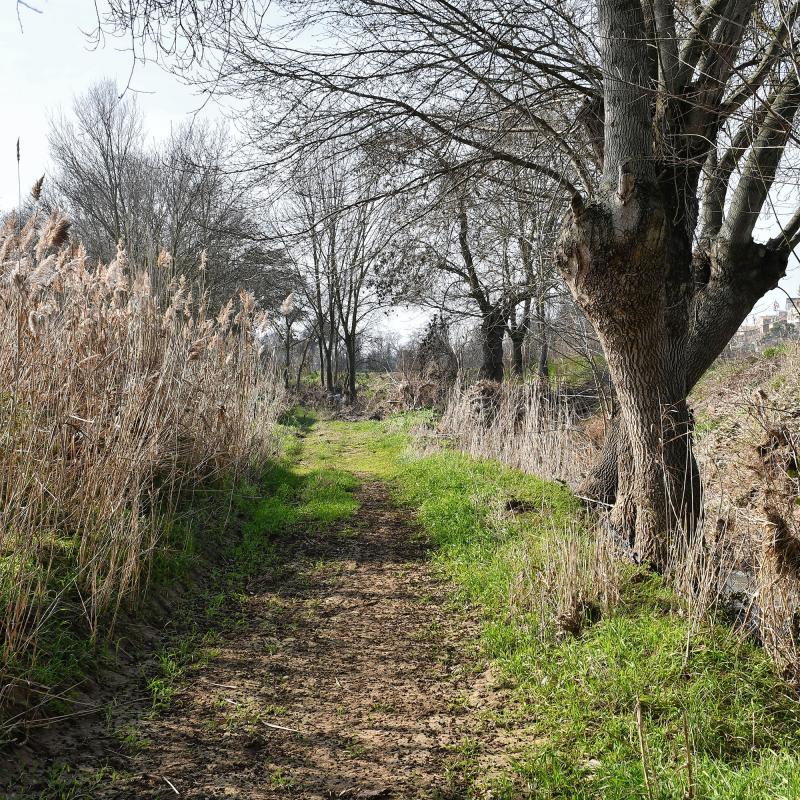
(119,391)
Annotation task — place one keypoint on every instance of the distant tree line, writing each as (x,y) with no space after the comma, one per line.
(181,196)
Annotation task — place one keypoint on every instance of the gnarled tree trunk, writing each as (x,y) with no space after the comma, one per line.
(736,278)
(618,256)
(614,256)
(708,295)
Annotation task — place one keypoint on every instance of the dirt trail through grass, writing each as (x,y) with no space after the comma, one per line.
(347,653)
(342,674)
(321,656)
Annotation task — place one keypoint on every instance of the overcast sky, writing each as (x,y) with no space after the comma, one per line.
(52,60)
(47,64)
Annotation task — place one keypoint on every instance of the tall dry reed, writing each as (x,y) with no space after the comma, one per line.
(114,398)
(524,426)
(753,447)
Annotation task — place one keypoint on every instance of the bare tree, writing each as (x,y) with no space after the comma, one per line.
(523,213)
(336,232)
(99,158)
(180,195)
(476,246)
(670,126)
(663,303)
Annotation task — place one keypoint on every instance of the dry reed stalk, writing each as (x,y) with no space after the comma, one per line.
(643,749)
(750,455)
(687,740)
(567,579)
(529,429)
(116,398)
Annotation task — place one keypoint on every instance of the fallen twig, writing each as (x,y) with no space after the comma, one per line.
(220,685)
(280,727)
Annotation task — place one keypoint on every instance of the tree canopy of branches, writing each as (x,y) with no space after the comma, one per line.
(480,245)
(179,196)
(667,128)
(335,233)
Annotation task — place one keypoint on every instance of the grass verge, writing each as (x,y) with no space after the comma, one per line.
(640,704)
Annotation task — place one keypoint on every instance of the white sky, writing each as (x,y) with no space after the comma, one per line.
(50,63)
(52,60)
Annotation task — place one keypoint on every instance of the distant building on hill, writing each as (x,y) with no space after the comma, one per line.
(782,324)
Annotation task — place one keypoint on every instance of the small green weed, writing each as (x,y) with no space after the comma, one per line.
(280,780)
(131,740)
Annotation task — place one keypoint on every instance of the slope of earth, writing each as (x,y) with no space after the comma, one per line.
(748,432)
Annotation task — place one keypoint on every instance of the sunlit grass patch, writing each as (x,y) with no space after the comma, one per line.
(327,496)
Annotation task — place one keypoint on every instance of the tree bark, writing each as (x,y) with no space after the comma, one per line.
(629,269)
(493,329)
(619,281)
(544,371)
(739,277)
(321,361)
(302,363)
(518,329)
(329,369)
(517,360)
(350,347)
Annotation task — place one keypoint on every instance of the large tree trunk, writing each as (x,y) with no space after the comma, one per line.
(616,268)
(625,265)
(732,280)
(631,250)
(493,329)
(517,355)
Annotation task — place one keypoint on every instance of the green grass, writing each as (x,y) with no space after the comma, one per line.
(68,650)
(574,699)
(225,532)
(773,351)
(575,371)
(64,783)
(264,512)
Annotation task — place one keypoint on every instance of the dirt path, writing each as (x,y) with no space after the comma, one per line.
(346,678)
